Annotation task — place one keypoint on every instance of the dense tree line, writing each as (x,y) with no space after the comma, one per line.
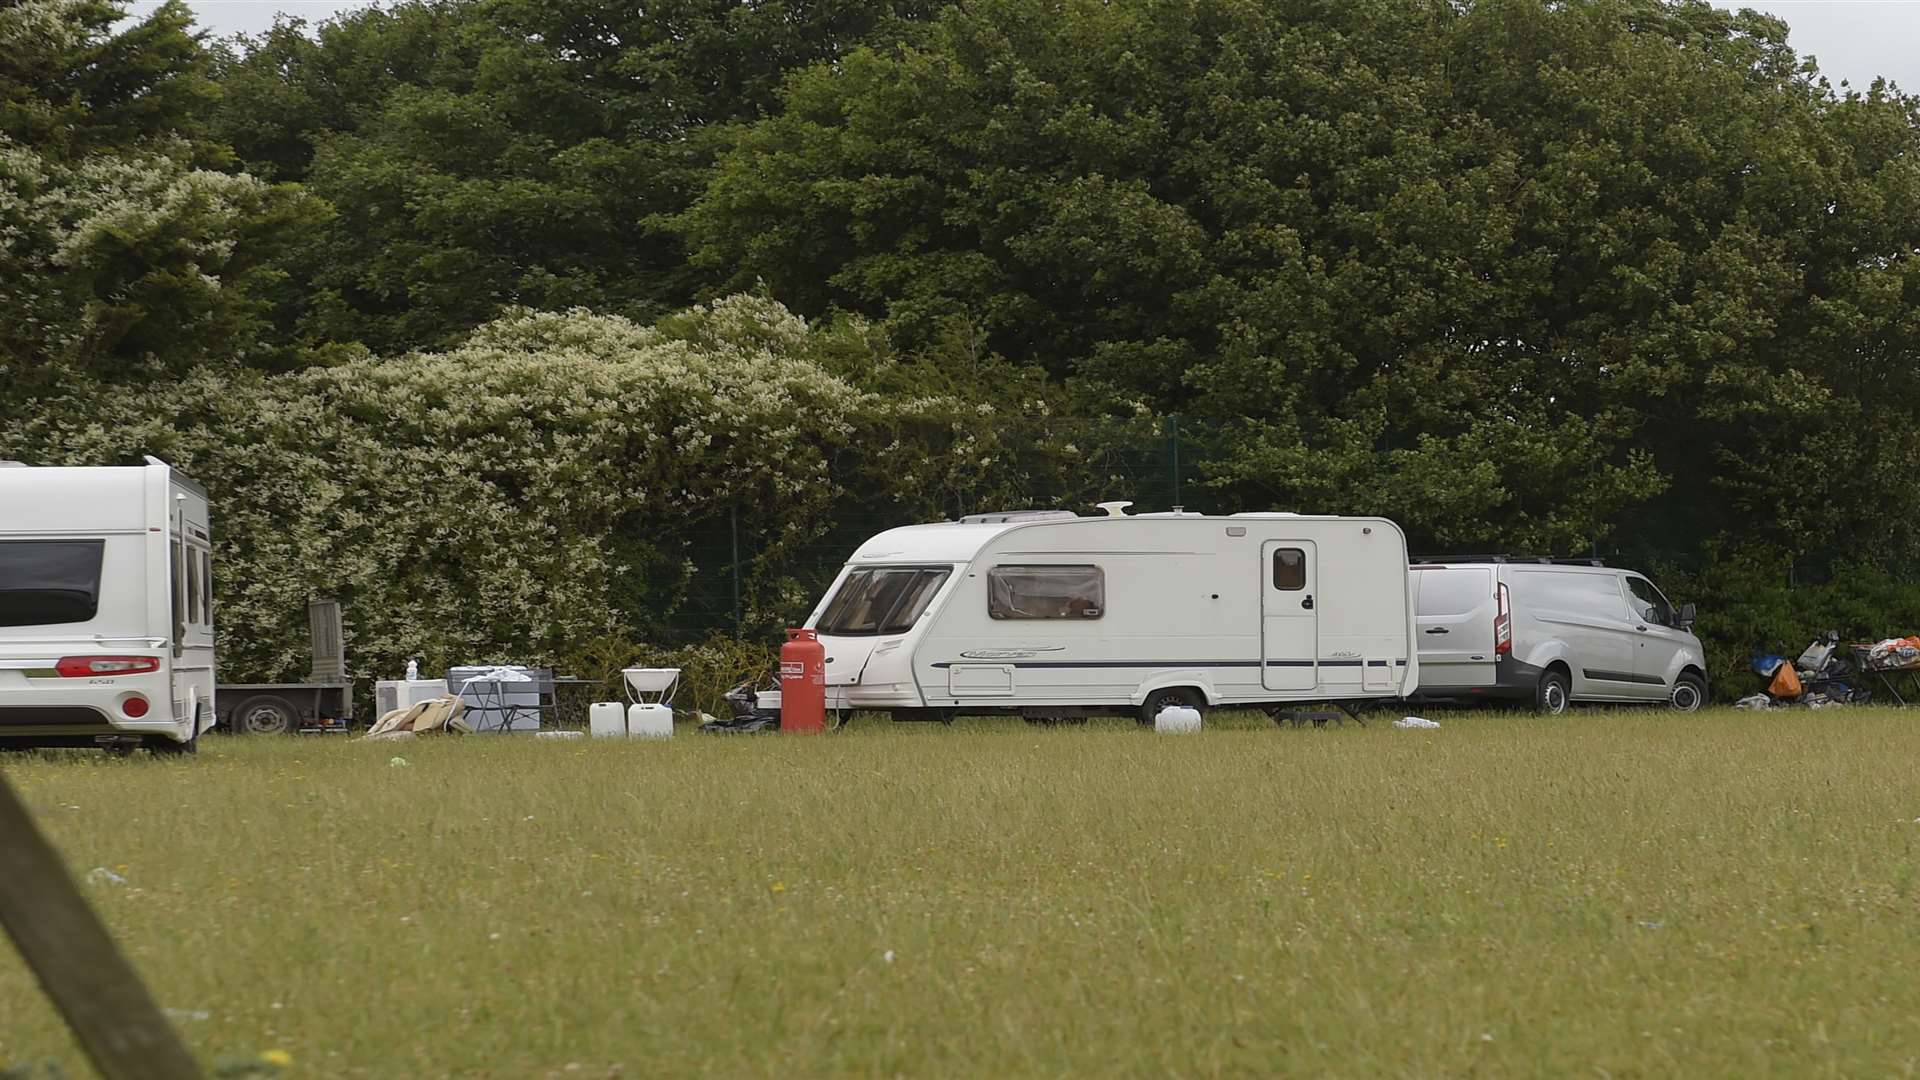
(1556,275)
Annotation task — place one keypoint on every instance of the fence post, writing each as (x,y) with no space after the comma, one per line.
(89,981)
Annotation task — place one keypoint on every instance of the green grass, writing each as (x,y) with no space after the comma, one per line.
(1607,894)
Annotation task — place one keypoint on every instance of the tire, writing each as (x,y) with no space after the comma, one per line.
(265,716)
(161,746)
(1554,693)
(1689,693)
(1172,695)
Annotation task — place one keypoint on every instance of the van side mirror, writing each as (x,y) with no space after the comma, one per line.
(1685,621)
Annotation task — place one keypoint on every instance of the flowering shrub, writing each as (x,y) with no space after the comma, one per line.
(549,485)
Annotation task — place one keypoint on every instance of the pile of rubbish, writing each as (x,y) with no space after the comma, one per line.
(440,714)
(1894,654)
(754,710)
(1828,673)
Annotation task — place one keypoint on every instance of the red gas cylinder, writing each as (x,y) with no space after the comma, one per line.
(803,683)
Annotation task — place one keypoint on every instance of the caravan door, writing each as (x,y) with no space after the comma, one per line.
(1289,615)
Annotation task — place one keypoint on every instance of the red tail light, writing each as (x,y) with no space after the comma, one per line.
(1502,624)
(80,667)
(135,706)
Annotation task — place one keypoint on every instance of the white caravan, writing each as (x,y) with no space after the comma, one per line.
(1054,616)
(106,612)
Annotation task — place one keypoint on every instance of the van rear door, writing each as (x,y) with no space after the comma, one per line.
(1454,608)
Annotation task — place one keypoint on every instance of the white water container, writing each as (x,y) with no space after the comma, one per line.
(649,721)
(1177,719)
(607,718)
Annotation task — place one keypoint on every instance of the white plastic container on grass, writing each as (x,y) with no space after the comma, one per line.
(1177,720)
(607,719)
(649,721)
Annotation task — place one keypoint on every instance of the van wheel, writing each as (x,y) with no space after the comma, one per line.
(1689,693)
(1551,697)
(1173,695)
(264,716)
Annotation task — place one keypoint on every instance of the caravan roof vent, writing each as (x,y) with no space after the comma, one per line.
(999,517)
(1114,509)
(9,463)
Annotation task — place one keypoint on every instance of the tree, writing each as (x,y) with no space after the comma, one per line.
(1507,270)
(493,153)
(126,255)
(70,84)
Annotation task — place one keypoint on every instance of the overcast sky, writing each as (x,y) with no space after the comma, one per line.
(1854,39)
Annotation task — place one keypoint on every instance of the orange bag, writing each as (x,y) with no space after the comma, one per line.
(1785,684)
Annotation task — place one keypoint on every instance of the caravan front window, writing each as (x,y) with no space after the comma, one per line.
(882,600)
(48,582)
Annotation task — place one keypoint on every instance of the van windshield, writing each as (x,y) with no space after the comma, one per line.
(48,582)
(881,600)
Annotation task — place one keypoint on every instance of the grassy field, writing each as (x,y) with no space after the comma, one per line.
(1607,894)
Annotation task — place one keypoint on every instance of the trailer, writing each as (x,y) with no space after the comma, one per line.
(1054,616)
(322,704)
(106,608)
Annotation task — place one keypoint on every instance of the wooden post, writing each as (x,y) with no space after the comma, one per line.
(96,990)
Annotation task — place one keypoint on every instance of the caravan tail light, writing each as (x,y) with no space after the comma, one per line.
(80,667)
(1502,623)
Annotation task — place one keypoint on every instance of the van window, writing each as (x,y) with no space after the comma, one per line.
(1046,592)
(206,587)
(48,582)
(1451,591)
(1648,603)
(881,600)
(1571,591)
(1289,569)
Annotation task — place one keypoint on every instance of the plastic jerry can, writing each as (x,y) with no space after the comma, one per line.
(607,718)
(650,721)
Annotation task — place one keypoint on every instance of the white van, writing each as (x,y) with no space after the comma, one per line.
(1552,632)
(1051,615)
(106,608)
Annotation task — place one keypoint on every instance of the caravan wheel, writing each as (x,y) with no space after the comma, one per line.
(161,746)
(1172,695)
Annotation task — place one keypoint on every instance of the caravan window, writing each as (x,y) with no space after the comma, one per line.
(1046,592)
(882,600)
(206,587)
(1289,569)
(175,571)
(196,613)
(47,582)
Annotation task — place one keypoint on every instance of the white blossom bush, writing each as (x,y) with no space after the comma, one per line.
(535,493)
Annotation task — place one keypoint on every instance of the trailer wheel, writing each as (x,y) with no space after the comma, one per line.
(265,716)
(1172,695)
